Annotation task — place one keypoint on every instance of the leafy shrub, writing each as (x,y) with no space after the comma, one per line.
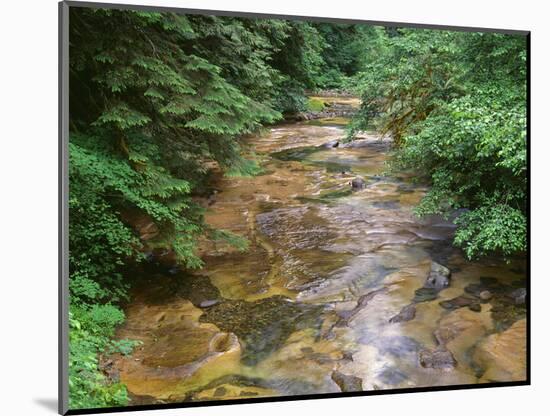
(455,104)
(90,331)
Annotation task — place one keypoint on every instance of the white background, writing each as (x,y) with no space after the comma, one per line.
(28,219)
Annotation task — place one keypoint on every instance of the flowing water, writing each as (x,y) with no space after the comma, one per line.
(307,308)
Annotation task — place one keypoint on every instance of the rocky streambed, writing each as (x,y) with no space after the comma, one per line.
(342,289)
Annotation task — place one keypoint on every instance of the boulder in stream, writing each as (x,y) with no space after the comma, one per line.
(424,294)
(439,277)
(460,302)
(439,359)
(332,144)
(406,314)
(358,183)
(347,382)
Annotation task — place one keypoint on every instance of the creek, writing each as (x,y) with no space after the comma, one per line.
(308,308)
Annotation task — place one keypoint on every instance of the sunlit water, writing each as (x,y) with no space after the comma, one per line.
(282,318)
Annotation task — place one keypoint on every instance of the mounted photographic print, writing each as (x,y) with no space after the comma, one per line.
(265,208)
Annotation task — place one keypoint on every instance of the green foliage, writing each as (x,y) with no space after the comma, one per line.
(492,228)
(315,104)
(245,168)
(148,108)
(344,52)
(332,78)
(90,330)
(407,77)
(455,104)
(298,61)
(123,346)
(155,99)
(237,241)
(290,98)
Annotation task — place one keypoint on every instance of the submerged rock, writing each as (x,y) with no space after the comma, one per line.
(424,294)
(486,284)
(399,345)
(263,325)
(460,302)
(392,376)
(438,359)
(506,313)
(503,356)
(347,316)
(176,351)
(507,300)
(459,332)
(232,387)
(347,382)
(406,314)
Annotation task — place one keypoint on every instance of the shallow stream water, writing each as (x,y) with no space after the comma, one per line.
(307,308)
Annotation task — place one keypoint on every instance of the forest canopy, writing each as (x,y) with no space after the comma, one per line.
(157,98)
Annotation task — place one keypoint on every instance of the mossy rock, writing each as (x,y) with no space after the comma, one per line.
(262,326)
(315,104)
